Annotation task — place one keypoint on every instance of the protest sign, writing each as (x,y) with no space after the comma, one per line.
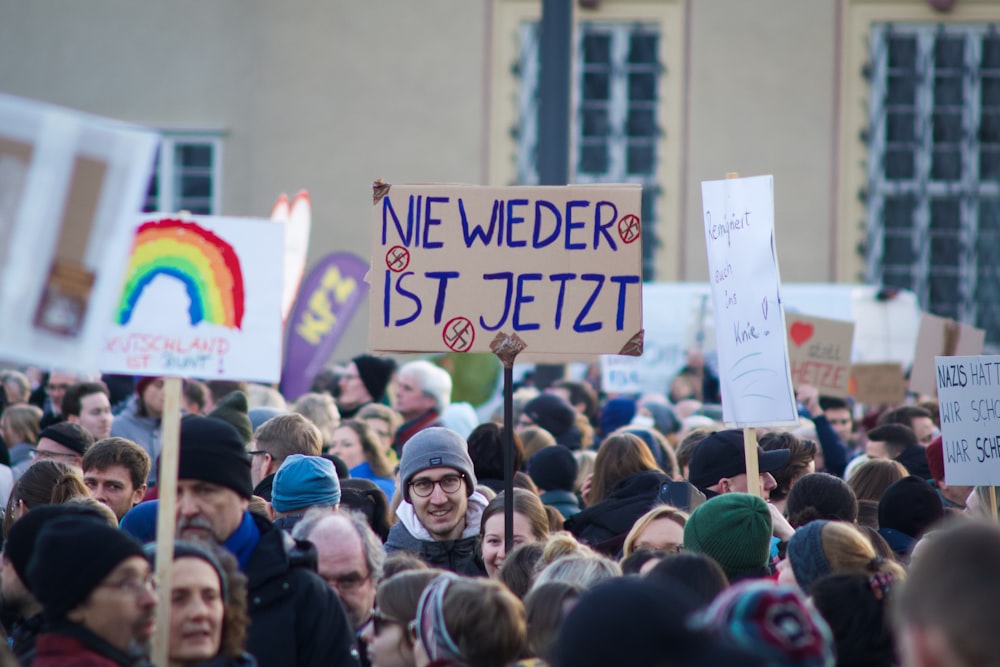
(878,384)
(939,336)
(201,298)
(968,389)
(70,185)
(327,299)
(819,351)
(746,294)
(456,267)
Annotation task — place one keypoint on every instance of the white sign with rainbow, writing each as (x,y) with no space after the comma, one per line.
(201,298)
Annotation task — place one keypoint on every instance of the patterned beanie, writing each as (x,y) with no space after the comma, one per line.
(805,552)
(775,622)
(735,530)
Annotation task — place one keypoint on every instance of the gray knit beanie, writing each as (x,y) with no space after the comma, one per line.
(435,448)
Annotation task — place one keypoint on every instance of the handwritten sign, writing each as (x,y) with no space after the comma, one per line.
(944,337)
(201,298)
(878,383)
(456,267)
(968,391)
(819,351)
(746,292)
(70,184)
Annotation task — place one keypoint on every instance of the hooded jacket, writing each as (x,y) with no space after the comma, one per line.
(605,525)
(142,430)
(295,618)
(460,556)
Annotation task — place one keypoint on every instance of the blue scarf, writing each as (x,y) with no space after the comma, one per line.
(243,541)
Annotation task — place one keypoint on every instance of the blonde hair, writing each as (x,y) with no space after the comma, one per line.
(849,552)
(535,439)
(321,410)
(585,466)
(23,422)
(660,512)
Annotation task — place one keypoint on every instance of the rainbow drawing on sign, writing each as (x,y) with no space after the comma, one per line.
(206,265)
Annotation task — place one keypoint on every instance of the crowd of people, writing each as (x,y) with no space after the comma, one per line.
(364,523)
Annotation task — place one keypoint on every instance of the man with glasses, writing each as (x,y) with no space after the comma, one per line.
(99,610)
(64,442)
(439,517)
(350,559)
(277,439)
(55,389)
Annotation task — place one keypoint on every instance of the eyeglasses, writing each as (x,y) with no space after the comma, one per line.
(134,586)
(347,583)
(257,452)
(43,454)
(379,620)
(425,487)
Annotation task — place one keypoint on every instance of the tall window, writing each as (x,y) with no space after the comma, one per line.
(933,195)
(616,94)
(187,175)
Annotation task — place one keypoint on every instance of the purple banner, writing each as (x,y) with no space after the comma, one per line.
(326,302)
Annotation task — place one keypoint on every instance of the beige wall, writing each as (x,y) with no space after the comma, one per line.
(320,95)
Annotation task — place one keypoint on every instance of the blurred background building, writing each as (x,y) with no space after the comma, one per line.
(879,119)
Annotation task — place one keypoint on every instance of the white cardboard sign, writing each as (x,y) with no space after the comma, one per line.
(70,186)
(969,402)
(754,371)
(201,298)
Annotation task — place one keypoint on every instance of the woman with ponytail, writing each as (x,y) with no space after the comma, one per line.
(822,548)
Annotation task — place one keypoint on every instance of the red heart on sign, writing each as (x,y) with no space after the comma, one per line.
(801,333)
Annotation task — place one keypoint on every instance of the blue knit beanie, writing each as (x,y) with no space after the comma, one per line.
(805,551)
(617,412)
(305,481)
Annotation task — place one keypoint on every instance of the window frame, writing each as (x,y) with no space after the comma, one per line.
(166,168)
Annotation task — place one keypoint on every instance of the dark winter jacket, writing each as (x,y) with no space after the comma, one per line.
(265,488)
(565,501)
(460,556)
(605,525)
(245,660)
(914,459)
(23,637)
(295,618)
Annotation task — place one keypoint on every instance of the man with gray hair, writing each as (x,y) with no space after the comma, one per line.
(423,392)
(350,559)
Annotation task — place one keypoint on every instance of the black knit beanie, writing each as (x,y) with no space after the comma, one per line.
(73,555)
(910,505)
(375,374)
(212,451)
(69,435)
(553,468)
(552,413)
(25,531)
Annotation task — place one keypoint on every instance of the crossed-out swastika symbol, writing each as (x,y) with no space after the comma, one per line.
(629,228)
(397,259)
(459,334)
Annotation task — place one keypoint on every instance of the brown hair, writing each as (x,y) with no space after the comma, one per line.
(73,398)
(520,567)
(289,434)
(685,450)
(197,393)
(527,505)
(23,422)
(370,446)
(45,482)
(486,621)
(220,388)
(398,596)
(870,480)
(236,617)
(545,611)
(119,452)
(619,456)
(486,449)
(801,454)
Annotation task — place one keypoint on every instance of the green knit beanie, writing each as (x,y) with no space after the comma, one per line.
(232,409)
(734,529)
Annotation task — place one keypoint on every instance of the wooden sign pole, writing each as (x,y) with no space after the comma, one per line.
(166,519)
(506,348)
(993,502)
(750,436)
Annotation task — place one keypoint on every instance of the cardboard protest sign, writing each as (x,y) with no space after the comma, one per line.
(878,384)
(201,298)
(70,185)
(329,295)
(968,389)
(746,293)
(819,351)
(939,336)
(456,268)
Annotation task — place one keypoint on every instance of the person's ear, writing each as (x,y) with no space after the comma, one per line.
(724,485)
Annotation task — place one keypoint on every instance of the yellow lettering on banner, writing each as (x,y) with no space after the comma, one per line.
(319,318)
(341,288)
